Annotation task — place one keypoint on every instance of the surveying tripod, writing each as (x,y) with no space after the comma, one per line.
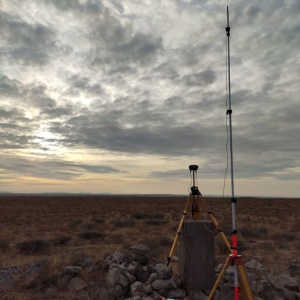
(195,199)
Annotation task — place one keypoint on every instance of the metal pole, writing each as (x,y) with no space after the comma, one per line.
(233,200)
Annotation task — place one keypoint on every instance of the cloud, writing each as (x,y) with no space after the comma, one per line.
(148,79)
(28,43)
(52,168)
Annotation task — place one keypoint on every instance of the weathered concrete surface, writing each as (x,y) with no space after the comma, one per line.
(197,255)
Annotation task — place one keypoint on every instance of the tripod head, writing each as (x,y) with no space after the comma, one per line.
(194,189)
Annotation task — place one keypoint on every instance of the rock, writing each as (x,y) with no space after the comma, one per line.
(139,253)
(64,280)
(140,249)
(137,289)
(86,263)
(76,284)
(141,274)
(167,284)
(156,296)
(148,289)
(132,267)
(284,280)
(117,257)
(254,265)
(72,270)
(273,295)
(201,296)
(116,291)
(36,274)
(294,270)
(9,277)
(164,271)
(177,293)
(153,277)
(117,276)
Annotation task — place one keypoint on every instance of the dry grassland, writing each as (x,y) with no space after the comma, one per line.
(65,229)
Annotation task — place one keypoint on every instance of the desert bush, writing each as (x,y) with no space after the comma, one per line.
(32,247)
(123,223)
(60,240)
(90,235)
(4,245)
(150,216)
(155,222)
(98,221)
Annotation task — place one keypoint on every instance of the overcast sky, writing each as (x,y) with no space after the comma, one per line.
(122,96)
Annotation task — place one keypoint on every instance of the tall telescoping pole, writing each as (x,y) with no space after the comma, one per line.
(233,199)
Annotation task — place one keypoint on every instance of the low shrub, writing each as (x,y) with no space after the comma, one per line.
(91,235)
(155,222)
(150,216)
(60,240)
(32,247)
(4,245)
(123,223)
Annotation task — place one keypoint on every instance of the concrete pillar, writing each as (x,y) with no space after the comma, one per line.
(197,255)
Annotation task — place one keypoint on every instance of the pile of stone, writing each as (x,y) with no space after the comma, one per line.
(133,276)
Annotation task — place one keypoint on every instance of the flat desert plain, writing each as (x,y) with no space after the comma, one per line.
(61,228)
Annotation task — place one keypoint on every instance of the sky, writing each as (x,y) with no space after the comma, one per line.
(121,96)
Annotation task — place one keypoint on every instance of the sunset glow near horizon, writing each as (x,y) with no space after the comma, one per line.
(101,96)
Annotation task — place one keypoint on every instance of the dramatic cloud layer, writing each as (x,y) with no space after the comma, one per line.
(121,96)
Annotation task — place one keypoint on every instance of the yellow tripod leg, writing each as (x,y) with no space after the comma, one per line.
(178,230)
(216,224)
(245,288)
(219,279)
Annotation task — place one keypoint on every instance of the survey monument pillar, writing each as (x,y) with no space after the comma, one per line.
(197,255)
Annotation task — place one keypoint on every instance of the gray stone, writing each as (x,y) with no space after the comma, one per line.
(117,257)
(198,295)
(177,293)
(148,289)
(76,284)
(167,284)
(137,289)
(141,274)
(254,265)
(116,291)
(156,296)
(286,281)
(72,270)
(164,271)
(117,276)
(87,263)
(62,282)
(132,267)
(153,277)
(9,277)
(147,298)
(36,274)
(273,295)
(140,249)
